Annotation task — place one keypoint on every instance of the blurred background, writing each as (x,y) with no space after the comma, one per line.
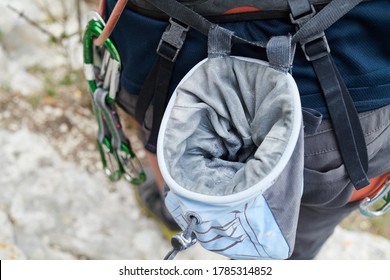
(55,202)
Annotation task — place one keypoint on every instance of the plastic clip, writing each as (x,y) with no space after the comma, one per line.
(172,40)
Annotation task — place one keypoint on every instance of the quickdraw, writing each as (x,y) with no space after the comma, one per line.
(379,204)
(102,70)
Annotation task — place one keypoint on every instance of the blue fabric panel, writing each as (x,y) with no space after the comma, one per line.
(359,42)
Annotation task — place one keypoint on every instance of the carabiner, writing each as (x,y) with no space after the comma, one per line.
(379,204)
(108,154)
(110,161)
(93,30)
(116,155)
(93,75)
(131,166)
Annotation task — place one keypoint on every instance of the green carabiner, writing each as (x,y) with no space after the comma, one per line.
(116,155)
(108,155)
(129,164)
(93,30)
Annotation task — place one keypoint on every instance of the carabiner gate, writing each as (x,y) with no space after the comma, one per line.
(93,30)
(131,166)
(379,204)
(109,161)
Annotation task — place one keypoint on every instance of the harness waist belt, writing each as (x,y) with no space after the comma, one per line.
(227,10)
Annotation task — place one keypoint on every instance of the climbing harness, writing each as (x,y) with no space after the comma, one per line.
(117,157)
(379,204)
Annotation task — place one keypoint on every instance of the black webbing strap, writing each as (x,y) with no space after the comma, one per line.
(345,119)
(155,88)
(156,84)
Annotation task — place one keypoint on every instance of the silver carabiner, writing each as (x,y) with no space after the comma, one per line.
(110,161)
(132,168)
(367,206)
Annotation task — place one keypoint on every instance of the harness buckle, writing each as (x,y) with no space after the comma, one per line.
(315,47)
(303,18)
(379,204)
(172,40)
